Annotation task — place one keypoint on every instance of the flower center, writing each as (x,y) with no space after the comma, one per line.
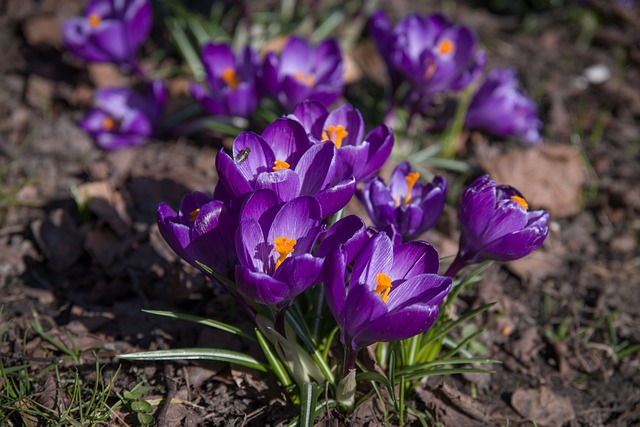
(284,246)
(279,164)
(94,20)
(383,286)
(193,215)
(335,134)
(446,46)
(521,201)
(308,79)
(411,178)
(108,124)
(230,78)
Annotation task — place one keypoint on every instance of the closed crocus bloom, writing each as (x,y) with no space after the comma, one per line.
(496,224)
(110,31)
(406,203)
(284,160)
(358,155)
(232,81)
(499,108)
(202,231)
(392,293)
(302,71)
(274,243)
(123,117)
(430,51)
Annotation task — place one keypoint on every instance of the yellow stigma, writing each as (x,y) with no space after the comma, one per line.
(279,164)
(383,286)
(94,20)
(446,46)
(284,246)
(108,123)
(411,181)
(335,134)
(308,79)
(193,215)
(521,201)
(230,78)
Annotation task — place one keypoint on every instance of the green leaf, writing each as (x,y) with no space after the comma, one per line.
(450,371)
(273,359)
(199,354)
(141,406)
(203,321)
(426,366)
(309,393)
(373,376)
(145,419)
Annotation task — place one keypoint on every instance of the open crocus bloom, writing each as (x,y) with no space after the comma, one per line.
(407,204)
(110,31)
(285,161)
(498,107)
(274,243)
(393,291)
(232,80)
(358,155)
(496,224)
(303,71)
(123,117)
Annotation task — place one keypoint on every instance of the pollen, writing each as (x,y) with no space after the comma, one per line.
(446,46)
(383,286)
(335,134)
(308,79)
(430,71)
(284,246)
(521,201)
(230,78)
(94,20)
(411,178)
(280,164)
(193,214)
(108,123)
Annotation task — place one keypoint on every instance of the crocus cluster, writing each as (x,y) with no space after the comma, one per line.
(500,108)
(430,52)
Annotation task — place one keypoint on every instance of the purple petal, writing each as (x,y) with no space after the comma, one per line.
(334,277)
(376,257)
(336,197)
(288,140)
(413,258)
(260,287)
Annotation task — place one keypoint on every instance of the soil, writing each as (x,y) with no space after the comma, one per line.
(80,252)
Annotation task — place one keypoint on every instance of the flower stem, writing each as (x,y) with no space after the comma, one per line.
(350,357)
(455,266)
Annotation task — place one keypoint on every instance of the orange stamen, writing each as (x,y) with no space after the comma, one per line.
(230,78)
(279,164)
(193,215)
(430,71)
(446,46)
(94,20)
(108,123)
(411,178)
(383,286)
(284,246)
(335,134)
(521,201)
(308,79)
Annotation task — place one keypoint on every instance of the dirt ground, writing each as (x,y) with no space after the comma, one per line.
(80,251)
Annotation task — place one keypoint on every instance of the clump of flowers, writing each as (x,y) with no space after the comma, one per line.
(274,232)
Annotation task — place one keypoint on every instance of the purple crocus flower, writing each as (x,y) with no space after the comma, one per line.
(358,155)
(123,117)
(496,224)
(202,230)
(498,107)
(407,204)
(110,31)
(393,291)
(431,52)
(286,161)
(274,243)
(304,72)
(232,81)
